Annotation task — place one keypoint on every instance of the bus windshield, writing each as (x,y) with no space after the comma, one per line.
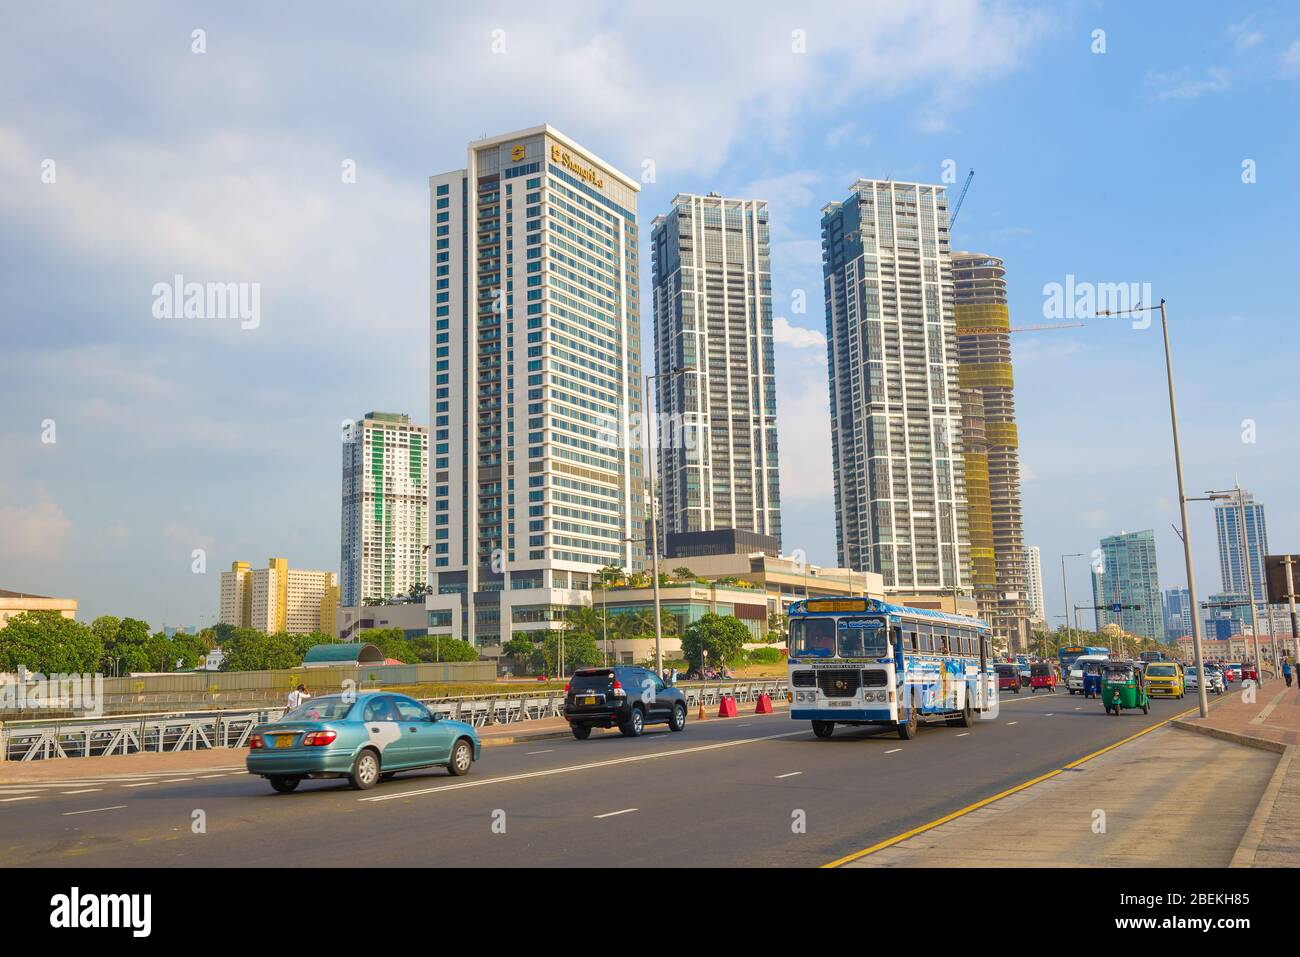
(862,638)
(812,637)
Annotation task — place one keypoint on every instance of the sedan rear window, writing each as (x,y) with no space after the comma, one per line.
(332,708)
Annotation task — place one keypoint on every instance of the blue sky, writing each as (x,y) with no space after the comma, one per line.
(224,166)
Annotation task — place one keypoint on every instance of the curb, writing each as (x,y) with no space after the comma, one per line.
(1250,841)
(1277,747)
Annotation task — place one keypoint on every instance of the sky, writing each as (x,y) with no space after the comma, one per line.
(1113,142)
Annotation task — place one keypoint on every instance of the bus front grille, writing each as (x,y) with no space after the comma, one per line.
(874,679)
(839,684)
(803,679)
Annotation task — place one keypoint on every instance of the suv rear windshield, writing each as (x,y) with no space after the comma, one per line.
(585,681)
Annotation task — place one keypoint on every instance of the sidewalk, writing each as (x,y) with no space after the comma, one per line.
(1270,723)
(1167,799)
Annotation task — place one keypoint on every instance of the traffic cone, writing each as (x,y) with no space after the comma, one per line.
(764,705)
(727,709)
(702,715)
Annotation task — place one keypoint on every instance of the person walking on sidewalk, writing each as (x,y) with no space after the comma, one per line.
(1286,671)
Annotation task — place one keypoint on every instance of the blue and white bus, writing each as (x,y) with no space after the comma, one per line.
(861,661)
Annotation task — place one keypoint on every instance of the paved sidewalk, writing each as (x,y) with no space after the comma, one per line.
(1273,718)
(1167,799)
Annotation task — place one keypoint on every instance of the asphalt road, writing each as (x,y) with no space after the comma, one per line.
(722,793)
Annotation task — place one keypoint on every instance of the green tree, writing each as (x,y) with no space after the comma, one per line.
(452,649)
(48,643)
(778,627)
(191,649)
(392,642)
(723,636)
(683,573)
(250,650)
(524,651)
(580,651)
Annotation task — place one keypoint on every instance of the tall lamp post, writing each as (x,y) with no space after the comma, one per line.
(654,524)
(1066,589)
(1202,698)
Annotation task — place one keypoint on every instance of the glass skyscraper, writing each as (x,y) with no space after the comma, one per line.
(1129,578)
(1227,527)
(713,317)
(896,411)
(535,376)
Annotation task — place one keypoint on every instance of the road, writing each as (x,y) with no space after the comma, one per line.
(722,793)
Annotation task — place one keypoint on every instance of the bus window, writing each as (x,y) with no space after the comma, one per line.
(910,637)
(862,638)
(926,639)
(812,637)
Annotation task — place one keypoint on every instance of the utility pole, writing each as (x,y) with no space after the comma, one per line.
(1066,589)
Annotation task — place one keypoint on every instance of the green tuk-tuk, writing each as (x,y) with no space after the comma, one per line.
(1122,687)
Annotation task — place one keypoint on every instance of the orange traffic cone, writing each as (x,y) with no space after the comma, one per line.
(764,705)
(727,709)
(702,715)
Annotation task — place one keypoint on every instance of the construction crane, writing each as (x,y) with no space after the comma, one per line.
(952,217)
(985,330)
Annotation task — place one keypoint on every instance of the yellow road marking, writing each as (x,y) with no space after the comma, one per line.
(898,838)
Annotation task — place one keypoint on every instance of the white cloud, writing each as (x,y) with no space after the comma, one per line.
(1290,58)
(1181,85)
(33,531)
(796,336)
(1244,36)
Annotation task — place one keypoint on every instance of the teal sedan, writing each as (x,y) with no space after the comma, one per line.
(365,738)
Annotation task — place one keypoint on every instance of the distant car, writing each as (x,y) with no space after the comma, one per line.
(365,738)
(1164,679)
(1248,671)
(1232,672)
(1213,680)
(621,697)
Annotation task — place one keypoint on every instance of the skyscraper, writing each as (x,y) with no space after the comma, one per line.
(278,598)
(713,318)
(1034,584)
(1178,612)
(385,507)
(535,374)
(992,464)
(1227,527)
(900,497)
(1128,577)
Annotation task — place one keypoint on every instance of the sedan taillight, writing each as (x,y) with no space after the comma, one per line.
(255,742)
(318,739)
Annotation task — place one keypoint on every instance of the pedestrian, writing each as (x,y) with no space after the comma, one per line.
(297,696)
(1286,671)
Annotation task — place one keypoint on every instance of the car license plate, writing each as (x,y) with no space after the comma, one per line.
(284,741)
(587,699)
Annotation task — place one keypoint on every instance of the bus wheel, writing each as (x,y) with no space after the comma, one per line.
(907,730)
(967,719)
(823,729)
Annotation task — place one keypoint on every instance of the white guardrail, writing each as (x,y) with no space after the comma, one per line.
(43,739)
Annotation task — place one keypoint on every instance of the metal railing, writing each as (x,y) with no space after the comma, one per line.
(43,739)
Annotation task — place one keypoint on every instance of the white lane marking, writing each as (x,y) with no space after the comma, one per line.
(893,750)
(1013,722)
(144,785)
(397,796)
(82,791)
(115,807)
(30,797)
(547,751)
(790,775)
(1049,714)
(209,777)
(1078,709)
(626,810)
(963,734)
(175,780)
(22,790)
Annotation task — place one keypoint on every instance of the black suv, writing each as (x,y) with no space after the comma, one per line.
(624,697)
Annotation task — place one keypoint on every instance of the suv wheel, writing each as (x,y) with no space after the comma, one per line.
(678,720)
(635,723)
(581,731)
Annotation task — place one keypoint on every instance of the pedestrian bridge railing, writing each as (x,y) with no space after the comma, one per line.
(42,739)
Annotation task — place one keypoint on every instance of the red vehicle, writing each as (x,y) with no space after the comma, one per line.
(1008,677)
(1231,673)
(1040,676)
(1248,670)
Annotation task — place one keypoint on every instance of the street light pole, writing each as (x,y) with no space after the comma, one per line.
(1248,579)
(654,525)
(1202,698)
(1066,589)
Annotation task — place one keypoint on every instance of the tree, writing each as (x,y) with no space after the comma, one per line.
(580,651)
(392,642)
(524,651)
(682,573)
(250,650)
(722,636)
(48,643)
(778,627)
